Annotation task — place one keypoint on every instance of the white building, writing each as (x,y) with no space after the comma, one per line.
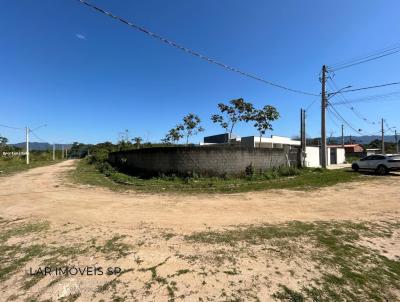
(268,142)
(336,155)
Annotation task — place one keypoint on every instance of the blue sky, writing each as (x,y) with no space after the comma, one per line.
(89,77)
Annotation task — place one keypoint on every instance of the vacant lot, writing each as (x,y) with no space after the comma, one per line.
(284,178)
(338,243)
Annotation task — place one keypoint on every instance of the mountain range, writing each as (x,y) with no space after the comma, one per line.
(40,146)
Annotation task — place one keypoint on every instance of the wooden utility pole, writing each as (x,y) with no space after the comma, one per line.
(383,138)
(54,151)
(342,136)
(397,142)
(323,119)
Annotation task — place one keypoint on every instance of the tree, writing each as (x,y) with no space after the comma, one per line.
(3,142)
(262,119)
(138,140)
(174,135)
(124,142)
(191,126)
(236,111)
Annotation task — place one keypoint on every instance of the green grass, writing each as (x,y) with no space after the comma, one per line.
(301,180)
(14,165)
(349,271)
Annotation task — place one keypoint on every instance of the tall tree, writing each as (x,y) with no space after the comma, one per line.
(138,140)
(263,119)
(174,135)
(191,126)
(235,111)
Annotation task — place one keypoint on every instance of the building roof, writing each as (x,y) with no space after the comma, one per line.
(346,145)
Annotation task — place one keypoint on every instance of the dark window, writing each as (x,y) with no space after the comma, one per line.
(377,157)
(367,158)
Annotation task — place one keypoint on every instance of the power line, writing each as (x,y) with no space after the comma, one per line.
(333,111)
(38,137)
(371,87)
(345,121)
(356,112)
(370,98)
(10,127)
(190,51)
(363,59)
(361,62)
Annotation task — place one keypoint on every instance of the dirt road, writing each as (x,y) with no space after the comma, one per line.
(45,193)
(47,222)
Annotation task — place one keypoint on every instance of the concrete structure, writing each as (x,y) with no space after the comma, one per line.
(220,139)
(269,142)
(372,151)
(350,148)
(206,160)
(335,156)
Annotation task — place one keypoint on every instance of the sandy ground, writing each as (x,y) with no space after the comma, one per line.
(42,192)
(160,265)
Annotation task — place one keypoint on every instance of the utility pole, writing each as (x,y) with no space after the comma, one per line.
(383,138)
(303,136)
(54,151)
(397,142)
(62,151)
(323,119)
(342,136)
(27,144)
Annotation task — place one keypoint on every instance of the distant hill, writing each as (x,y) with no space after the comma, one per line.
(40,146)
(365,139)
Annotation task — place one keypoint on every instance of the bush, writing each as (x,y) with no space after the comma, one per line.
(105,168)
(249,171)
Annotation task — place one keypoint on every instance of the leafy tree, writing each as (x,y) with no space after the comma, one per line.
(262,119)
(191,126)
(138,140)
(3,142)
(174,135)
(236,111)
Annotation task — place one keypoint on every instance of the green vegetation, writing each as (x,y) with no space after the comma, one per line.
(285,178)
(9,165)
(349,271)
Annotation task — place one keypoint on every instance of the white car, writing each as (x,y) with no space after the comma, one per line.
(379,163)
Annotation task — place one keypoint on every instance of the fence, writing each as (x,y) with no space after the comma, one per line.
(205,161)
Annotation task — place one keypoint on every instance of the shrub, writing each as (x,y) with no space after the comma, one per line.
(105,168)
(249,171)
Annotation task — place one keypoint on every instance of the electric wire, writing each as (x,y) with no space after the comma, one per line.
(370,98)
(363,59)
(371,87)
(10,127)
(192,52)
(356,112)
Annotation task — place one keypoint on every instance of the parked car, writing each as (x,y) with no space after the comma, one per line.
(379,163)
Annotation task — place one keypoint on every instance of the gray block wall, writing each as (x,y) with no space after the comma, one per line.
(202,160)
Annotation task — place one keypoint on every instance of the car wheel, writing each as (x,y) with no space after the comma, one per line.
(382,170)
(355,167)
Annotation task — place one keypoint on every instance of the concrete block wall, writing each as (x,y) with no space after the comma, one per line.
(210,161)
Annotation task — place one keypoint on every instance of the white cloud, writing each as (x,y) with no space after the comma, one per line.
(80,36)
